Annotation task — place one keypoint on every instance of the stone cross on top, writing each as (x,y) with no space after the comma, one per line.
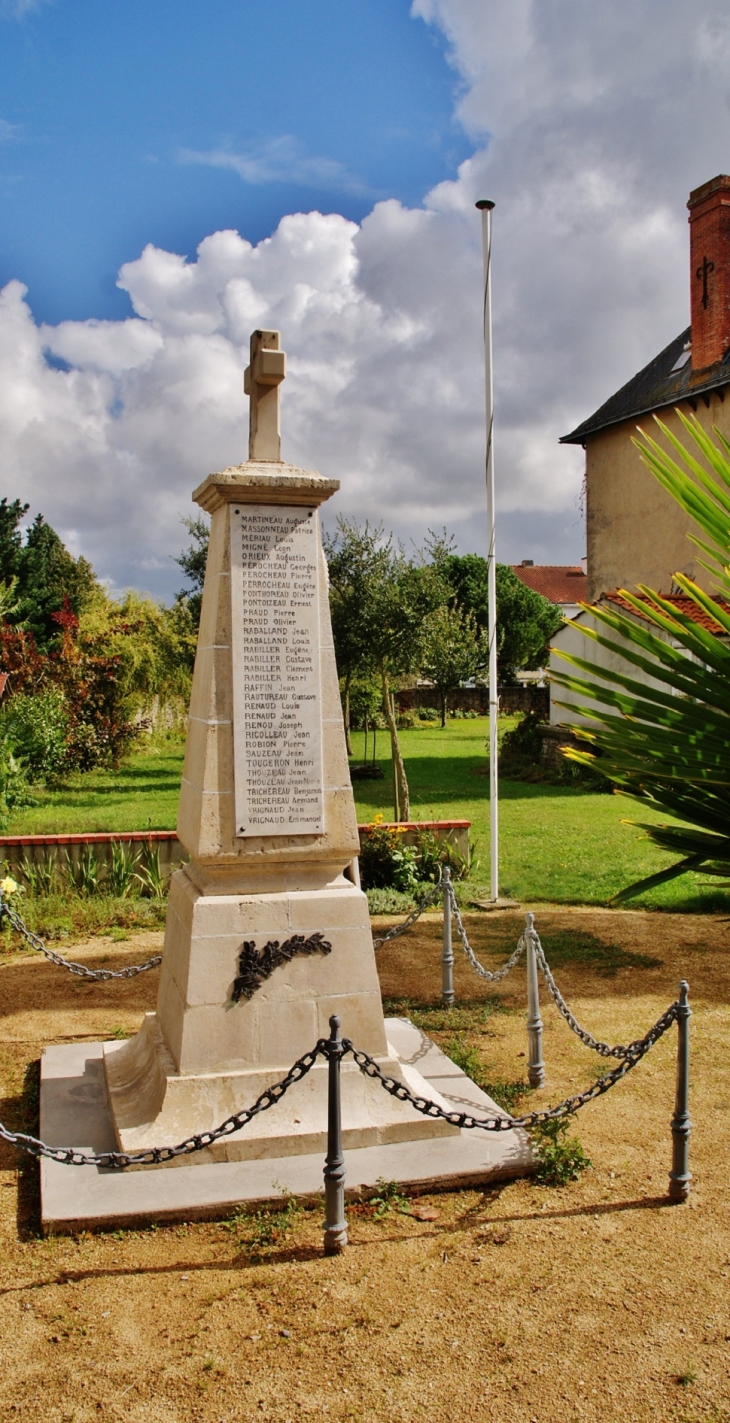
(261,382)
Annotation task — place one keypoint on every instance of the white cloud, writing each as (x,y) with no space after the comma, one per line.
(590,126)
(280,160)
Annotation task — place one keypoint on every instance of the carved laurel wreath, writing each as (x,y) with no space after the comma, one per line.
(256,965)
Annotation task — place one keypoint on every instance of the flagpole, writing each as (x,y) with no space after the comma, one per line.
(485,207)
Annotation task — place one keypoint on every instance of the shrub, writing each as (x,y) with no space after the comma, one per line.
(13,784)
(560,1158)
(520,759)
(37,727)
(428,714)
(385,862)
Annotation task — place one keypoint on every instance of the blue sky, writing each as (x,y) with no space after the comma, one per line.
(174,175)
(119,121)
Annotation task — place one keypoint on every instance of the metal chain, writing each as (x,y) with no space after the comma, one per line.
(369,1066)
(79,969)
(603,1049)
(499,973)
(412,917)
(156,1155)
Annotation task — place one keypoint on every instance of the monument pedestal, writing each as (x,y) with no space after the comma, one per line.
(267,934)
(193,1064)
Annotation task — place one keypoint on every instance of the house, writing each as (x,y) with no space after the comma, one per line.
(635,531)
(571,640)
(563,584)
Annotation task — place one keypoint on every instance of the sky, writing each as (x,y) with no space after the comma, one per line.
(173,175)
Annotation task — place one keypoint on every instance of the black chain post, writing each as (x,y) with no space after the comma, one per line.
(335,1221)
(680,1174)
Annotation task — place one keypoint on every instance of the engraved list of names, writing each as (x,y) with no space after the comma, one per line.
(277,716)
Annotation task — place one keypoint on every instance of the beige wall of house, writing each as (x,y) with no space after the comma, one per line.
(570,639)
(635,531)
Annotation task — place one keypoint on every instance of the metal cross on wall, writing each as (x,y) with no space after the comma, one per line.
(261,382)
(702,274)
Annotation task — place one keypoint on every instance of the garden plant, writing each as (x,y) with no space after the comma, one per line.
(668,745)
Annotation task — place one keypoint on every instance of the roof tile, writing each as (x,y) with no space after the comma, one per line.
(558,583)
(681,602)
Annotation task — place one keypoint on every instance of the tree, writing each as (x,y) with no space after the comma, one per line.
(381,600)
(11,538)
(48,577)
(193,562)
(454,650)
(525,620)
(669,745)
(354,557)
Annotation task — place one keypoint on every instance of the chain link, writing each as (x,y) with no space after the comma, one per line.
(157,1155)
(603,1049)
(499,973)
(369,1066)
(415,914)
(79,969)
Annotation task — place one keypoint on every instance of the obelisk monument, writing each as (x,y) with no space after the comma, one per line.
(267,932)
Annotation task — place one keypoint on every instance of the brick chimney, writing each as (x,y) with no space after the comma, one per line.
(709,246)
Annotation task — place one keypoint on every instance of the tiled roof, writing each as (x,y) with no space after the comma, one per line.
(557,582)
(657,385)
(681,603)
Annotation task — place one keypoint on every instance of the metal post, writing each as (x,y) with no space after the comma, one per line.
(680,1174)
(335,1222)
(447,955)
(485,206)
(535,1064)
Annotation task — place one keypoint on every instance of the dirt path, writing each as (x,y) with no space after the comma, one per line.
(589,1302)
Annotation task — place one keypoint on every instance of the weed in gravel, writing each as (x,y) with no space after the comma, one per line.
(560,1158)
(688,1375)
(265,1229)
(389,1198)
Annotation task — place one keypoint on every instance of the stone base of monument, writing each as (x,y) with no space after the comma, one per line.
(207,1054)
(140,1075)
(75,1112)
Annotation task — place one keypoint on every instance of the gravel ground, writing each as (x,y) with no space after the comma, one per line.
(594,1301)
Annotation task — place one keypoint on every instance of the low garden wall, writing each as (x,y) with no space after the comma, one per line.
(525,698)
(451,832)
(43,850)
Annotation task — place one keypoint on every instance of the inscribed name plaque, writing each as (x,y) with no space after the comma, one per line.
(277,715)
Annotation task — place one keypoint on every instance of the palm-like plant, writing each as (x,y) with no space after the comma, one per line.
(666,742)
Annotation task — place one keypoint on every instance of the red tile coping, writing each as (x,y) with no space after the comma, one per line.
(420,825)
(106,837)
(94,838)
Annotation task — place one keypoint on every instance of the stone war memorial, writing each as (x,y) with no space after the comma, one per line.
(268,932)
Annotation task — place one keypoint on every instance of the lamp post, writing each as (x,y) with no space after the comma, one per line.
(485,207)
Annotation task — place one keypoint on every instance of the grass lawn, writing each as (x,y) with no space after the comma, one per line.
(557,844)
(141,795)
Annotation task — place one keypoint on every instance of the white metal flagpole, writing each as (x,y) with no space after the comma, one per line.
(485,207)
